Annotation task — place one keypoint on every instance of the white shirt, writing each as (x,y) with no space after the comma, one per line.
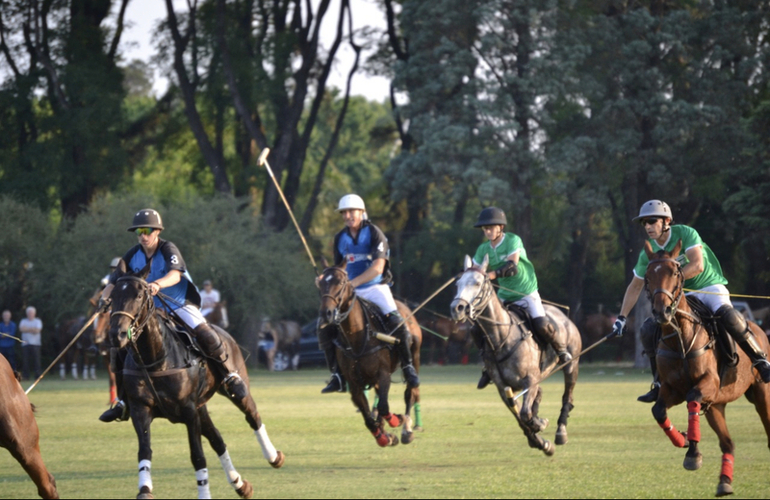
(31,324)
(209,299)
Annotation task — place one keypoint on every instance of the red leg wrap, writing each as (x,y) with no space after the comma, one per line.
(381,437)
(392,419)
(727,467)
(693,421)
(676,437)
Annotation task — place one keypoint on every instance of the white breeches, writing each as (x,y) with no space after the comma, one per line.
(379,295)
(715,296)
(191,315)
(533,304)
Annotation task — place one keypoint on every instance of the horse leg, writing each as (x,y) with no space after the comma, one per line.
(197,457)
(383,408)
(693,459)
(140,416)
(25,449)
(412,400)
(249,409)
(533,439)
(112,381)
(570,379)
(660,413)
(716,419)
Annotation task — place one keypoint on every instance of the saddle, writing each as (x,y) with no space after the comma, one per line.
(525,324)
(180,331)
(375,323)
(724,342)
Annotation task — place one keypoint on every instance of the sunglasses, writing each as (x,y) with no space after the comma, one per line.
(143,231)
(648,222)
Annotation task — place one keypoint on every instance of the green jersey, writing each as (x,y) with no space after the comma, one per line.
(512,288)
(712,271)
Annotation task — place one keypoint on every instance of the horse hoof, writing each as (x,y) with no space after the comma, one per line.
(548,448)
(693,463)
(278,462)
(393,440)
(561,435)
(538,424)
(407,437)
(245,491)
(724,489)
(418,429)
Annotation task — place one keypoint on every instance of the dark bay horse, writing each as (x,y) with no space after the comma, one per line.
(82,355)
(366,361)
(163,379)
(285,335)
(513,357)
(457,335)
(19,433)
(690,370)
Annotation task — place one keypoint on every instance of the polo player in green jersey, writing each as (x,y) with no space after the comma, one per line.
(516,276)
(703,277)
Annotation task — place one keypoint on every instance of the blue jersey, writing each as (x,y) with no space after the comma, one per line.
(360,252)
(9,329)
(166,258)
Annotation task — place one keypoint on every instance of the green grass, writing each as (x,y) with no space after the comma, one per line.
(471,446)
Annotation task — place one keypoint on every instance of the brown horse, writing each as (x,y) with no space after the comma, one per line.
(82,354)
(457,335)
(218,315)
(690,370)
(285,336)
(366,361)
(19,433)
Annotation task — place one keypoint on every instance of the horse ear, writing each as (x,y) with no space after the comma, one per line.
(677,249)
(120,269)
(468,263)
(144,271)
(324,262)
(485,263)
(648,250)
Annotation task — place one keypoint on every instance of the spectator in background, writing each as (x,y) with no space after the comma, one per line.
(30,328)
(7,342)
(210,299)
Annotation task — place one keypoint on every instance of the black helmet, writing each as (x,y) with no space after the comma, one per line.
(146,217)
(491,216)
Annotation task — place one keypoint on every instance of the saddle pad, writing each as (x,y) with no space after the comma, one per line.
(180,331)
(725,344)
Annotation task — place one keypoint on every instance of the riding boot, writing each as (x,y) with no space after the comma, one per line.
(214,349)
(119,410)
(337,382)
(403,346)
(652,396)
(545,330)
(738,328)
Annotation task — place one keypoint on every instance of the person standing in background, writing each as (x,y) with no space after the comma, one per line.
(31,328)
(7,342)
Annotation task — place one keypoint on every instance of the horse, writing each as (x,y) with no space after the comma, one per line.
(218,315)
(690,370)
(596,326)
(285,336)
(81,354)
(366,361)
(457,337)
(162,378)
(19,433)
(514,359)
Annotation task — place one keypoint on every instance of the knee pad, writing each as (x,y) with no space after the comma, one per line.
(649,335)
(733,321)
(544,326)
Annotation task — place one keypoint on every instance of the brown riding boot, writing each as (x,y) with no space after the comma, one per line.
(545,329)
(738,328)
(214,349)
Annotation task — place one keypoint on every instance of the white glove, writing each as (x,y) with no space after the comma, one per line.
(619,327)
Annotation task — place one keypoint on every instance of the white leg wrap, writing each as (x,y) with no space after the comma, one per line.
(62,371)
(232,475)
(145,478)
(74,371)
(202,476)
(268,450)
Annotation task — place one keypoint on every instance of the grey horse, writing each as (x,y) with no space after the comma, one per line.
(513,358)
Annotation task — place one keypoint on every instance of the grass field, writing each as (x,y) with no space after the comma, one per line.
(471,446)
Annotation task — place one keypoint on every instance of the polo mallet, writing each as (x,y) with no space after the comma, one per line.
(262,161)
(403,321)
(559,367)
(72,342)
(12,337)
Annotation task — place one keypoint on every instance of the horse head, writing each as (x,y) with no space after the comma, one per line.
(472,294)
(664,282)
(336,295)
(132,305)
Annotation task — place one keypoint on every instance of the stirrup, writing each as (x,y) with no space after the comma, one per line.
(335,384)
(763,367)
(651,396)
(235,386)
(119,413)
(484,380)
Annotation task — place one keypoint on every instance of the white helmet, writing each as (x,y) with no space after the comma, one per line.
(351,202)
(114,263)
(654,208)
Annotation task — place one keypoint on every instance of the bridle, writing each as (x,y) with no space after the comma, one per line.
(147,305)
(678,292)
(481,300)
(338,299)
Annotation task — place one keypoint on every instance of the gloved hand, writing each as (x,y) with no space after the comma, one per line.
(103,305)
(619,327)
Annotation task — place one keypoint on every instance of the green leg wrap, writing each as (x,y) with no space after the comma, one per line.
(417,415)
